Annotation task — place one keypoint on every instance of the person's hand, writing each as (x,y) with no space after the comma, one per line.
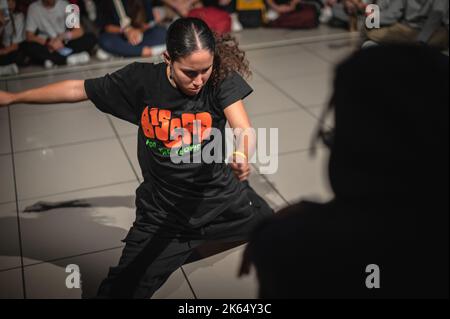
(146,52)
(224,2)
(134,36)
(240,166)
(285,8)
(55,45)
(6,98)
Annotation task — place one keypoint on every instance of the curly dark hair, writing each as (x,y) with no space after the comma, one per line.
(187,35)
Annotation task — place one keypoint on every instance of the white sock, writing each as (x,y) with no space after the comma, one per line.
(158,49)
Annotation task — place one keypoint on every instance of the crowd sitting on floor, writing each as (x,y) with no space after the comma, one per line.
(38,31)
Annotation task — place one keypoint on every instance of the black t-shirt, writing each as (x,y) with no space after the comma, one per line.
(191,194)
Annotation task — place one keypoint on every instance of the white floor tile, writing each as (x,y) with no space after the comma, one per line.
(7,193)
(123,127)
(48,280)
(130,144)
(216,277)
(300,63)
(5,140)
(69,231)
(9,237)
(45,130)
(63,169)
(309,91)
(333,51)
(265,190)
(176,287)
(267,99)
(295,129)
(11,286)
(301,177)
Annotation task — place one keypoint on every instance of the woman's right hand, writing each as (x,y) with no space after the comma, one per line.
(6,98)
(134,36)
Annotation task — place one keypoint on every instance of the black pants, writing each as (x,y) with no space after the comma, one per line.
(39,53)
(18,57)
(148,259)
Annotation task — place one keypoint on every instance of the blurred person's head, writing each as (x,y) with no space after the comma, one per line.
(391,131)
(195,56)
(12,5)
(49,3)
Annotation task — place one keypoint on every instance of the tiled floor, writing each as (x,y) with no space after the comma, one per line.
(71,151)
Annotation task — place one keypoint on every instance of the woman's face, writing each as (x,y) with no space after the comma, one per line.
(192,72)
(12,5)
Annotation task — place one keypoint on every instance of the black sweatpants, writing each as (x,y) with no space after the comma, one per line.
(148,259)
(18,57)
(39,53)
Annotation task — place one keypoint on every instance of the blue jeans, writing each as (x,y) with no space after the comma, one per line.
(117,44)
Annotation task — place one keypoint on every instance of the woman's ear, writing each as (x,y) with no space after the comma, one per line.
(166,58)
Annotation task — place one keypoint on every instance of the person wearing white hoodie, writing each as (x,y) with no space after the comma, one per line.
(412,21)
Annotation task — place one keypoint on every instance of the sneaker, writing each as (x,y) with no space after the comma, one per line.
(78,58)
(102,55)
(158,49)
(236,25)
(272,15)
(369,44)
(10,69)
(48,64)
(326,15)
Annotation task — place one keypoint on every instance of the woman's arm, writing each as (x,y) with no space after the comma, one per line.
(70,91)
(13,47)
(245,139)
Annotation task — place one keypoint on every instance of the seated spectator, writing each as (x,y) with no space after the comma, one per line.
(413,21)
(294,14)
(230,7)
(343,13)
(49,41)
(386,232)
(142,37)
(12,31)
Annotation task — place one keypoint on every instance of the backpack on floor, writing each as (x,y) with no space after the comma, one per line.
(251,12)
(305,17)
(218,20)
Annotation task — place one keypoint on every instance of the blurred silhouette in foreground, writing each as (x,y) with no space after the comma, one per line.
(388,224)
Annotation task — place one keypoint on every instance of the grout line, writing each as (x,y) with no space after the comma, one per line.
(123,148)
(301,106)
(56,146)
(189,283)
(17,202)
(124,61)
(64,258)
(6,203)
(77,190)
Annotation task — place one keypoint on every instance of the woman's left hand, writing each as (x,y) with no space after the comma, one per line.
(241,170)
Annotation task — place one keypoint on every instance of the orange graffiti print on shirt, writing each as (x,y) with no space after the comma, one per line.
(175,132)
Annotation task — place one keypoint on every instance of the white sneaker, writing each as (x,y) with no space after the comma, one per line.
(157,50)
(78,58)
(272,15)
(326,15)
(10,69)
(236,25)
(102,55)
(48,64)
(369,44)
